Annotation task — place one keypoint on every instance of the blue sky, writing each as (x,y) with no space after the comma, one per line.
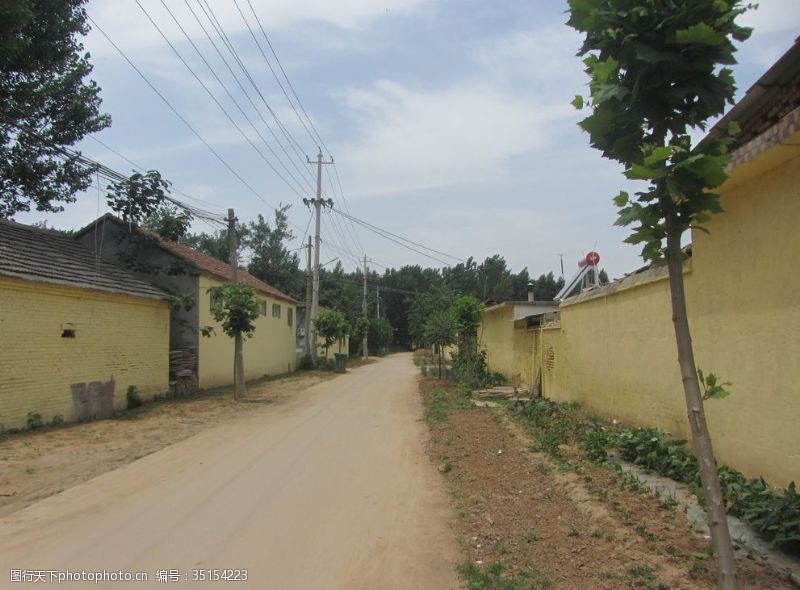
(449,121)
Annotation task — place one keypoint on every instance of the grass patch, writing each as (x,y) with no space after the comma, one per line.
(494,577)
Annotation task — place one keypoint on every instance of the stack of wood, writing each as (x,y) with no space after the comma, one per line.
(182,361)
(183,370)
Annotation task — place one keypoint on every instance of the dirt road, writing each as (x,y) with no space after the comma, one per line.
(330,490)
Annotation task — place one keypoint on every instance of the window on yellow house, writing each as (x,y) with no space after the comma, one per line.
(276,310)
(290,316)
(262,308)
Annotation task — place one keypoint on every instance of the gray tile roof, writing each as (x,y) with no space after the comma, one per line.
(46,256)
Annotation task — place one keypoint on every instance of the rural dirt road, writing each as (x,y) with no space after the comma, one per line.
(332,489)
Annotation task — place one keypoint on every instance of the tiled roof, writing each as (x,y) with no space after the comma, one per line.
(204,263)
(219,269)
(46,256)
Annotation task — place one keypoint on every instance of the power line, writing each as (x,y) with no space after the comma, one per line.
(386,234)
(216,101)
(177,114)
(209,13)
(233,99)
(292,161)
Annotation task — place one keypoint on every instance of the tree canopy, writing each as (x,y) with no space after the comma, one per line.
(48,104)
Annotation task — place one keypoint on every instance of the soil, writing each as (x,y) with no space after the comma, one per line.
(38,464)
(558,525)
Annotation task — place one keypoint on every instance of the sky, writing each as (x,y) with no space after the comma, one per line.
(449,122)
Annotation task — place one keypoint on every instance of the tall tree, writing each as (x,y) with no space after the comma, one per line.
(270,259)
(47,104)
(655,73)
(169,222)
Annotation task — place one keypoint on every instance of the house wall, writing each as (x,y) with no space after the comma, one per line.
(508,350)
(270,351)
(615,353)
(117,337)
(152,264)
(334,349)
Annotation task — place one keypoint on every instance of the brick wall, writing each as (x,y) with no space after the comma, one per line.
(115,337)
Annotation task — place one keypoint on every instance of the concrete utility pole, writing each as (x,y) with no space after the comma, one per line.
(307,341)
(378,300)
(238,353)
(318,203)
(364,342)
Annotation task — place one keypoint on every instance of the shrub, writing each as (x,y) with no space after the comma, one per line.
(34,420)
(133,398)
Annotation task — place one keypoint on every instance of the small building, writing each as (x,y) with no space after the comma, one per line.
(507,334)
(201,354)
(77,332)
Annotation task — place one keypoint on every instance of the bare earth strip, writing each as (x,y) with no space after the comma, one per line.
(329,489)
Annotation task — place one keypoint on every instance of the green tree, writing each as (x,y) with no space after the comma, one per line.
(380,334)
(332,327)
(236,308)
(424,306)
(360,330)
(655,74)
(215,244)
(48,104)
(169,221)
(270,259)
(440,332)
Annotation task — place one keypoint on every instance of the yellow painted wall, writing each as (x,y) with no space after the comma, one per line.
(117,336)
(508,351)
(270,351)
(616,353)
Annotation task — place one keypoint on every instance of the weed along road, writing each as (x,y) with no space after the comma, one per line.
(331,489)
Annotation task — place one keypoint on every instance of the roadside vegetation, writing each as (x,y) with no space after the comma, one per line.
(539,503)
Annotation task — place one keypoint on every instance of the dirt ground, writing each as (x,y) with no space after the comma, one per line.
(329,489)
(38,464)
(532,523)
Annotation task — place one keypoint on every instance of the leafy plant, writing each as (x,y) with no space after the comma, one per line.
(440,332)
(655,75)
(132,397)
(712,389)
(236,308)
(34,421)
(332,326)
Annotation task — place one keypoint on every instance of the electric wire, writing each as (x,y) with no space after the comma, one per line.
(178,114)
(292,161)
(233,99)
(391,237)
(212,17)
(216,101)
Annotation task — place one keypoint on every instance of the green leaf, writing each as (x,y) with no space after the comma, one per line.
(577,102)
(641,172)
(734,128)
(621,199)
(658,155)
(701,34)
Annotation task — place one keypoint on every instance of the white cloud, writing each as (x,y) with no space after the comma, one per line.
(131,29)
(415,139)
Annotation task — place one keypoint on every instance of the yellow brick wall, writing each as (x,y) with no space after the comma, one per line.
(616,354)
(508,351)
(270,351)
(117,336)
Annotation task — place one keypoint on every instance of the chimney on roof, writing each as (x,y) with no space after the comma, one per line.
(530,291)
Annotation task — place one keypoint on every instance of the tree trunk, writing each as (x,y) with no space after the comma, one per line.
(238,368)
(715,505)
(439,351)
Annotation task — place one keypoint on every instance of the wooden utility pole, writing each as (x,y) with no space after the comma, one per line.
(364,343)
(307,348)
(318,203)
(238,353)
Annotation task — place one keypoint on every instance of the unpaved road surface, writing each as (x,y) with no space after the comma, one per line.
(332,489)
